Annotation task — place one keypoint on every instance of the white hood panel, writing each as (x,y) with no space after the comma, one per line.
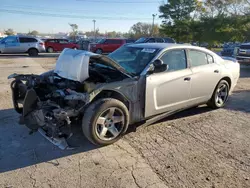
(73,64)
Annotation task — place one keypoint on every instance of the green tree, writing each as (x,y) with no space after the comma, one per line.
(141,29)
(33,33)
(74,32)
(9,32)
(177,18)
(177,10)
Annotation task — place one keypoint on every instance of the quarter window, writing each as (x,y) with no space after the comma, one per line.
(210,59)
(197,58)
(175,59)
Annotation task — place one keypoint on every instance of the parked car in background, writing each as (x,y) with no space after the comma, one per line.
(243,55)
(228,49)
(56,45)
(135,83)
(155,40)
(21,44)
(107,45)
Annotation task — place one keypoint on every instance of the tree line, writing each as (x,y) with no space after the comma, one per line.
(211,21)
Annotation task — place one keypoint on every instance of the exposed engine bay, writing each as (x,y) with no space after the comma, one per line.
(50,102)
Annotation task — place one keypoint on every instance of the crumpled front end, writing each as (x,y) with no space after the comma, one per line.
(50,101)
(48,104)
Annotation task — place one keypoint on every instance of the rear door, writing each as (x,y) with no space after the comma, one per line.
(11,45)
(63,43)
(26,43)
(169,90)
(205,77)
(117,44)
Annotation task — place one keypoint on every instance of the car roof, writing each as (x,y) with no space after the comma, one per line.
(162,46)
(155,45)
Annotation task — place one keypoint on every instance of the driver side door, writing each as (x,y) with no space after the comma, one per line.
(11,45)
(169,90)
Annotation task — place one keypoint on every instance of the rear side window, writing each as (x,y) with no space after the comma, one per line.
(113,41)
(245,47)
(175,59)
(51,40)
(197,58)
(27,40)
(63,41)
(159,40)
(151,40)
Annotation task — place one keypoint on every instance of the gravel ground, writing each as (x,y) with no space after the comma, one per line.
(194,148)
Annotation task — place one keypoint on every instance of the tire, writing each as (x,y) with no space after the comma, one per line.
(33,52)
(219,97)
(99,51)
(95,113)
(50,50)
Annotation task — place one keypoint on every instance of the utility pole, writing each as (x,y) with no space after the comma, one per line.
(94,30)
(153,23)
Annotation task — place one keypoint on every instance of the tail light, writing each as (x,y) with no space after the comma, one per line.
(42,44)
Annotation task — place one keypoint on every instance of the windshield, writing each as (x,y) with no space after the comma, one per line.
(133,59)
(101,41)
(140,40)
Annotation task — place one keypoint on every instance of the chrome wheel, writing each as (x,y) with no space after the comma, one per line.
(221,95)
(50,50)
(110,124)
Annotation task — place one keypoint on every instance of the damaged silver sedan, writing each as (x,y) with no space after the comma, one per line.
(136,83)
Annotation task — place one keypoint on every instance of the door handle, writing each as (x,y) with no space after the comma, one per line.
(216,71)
(187,79)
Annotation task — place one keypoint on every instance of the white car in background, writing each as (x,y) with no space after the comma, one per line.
(21,44)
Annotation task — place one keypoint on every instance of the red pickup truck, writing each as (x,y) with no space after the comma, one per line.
(108,45)
(55,45)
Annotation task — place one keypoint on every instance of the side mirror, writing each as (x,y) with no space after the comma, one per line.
(159,66)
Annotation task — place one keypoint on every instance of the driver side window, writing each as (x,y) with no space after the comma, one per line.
(10,40)
(175,59)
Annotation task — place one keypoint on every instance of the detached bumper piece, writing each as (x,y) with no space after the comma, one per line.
(59,142)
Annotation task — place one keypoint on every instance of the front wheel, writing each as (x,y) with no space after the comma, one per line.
(220,95)
(105,121)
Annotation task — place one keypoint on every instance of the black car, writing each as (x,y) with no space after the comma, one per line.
(155,40)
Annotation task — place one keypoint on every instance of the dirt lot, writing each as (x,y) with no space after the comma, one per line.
(195,148)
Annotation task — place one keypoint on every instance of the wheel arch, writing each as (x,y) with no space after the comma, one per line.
(228,79)
(33,48)
(112,94)
(48,48)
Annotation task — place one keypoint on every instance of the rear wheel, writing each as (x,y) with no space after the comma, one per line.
(50,50)
(220,95)
(105,121)
(33,52)
(98,51)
